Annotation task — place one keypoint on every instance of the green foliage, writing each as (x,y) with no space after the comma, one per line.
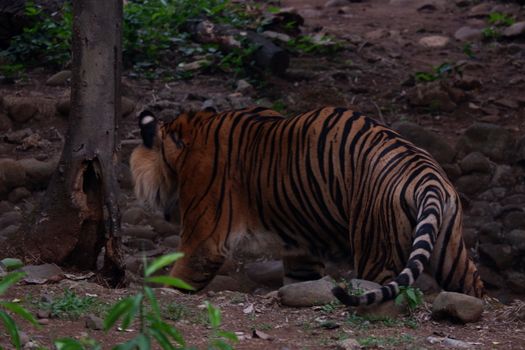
(11,264)
(500,19)
(6,320)
(69,305)
(497,20)
(319,44)
(220,339)
(413,297)
(373,341)
(46,40)
(443,70)
(153,36)
(467,50)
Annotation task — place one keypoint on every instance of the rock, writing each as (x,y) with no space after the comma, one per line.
(467,33)
(498,255)
(515,29)
(458,307)
(504,176)
(193,66)
(222,283)
(9,231)
(375,35)
(490,277)
(493,194)
(427,140)
(5,123)
(10,218)
(127,106)
(277,36)
(514,220)
(165,228)
(481,10)
(336,3)
(348,344)
(17,136)
(24,338)
(18,194)
(449,342)
(473,183)
(475,162)
(141,244)
(63,106)
(516,281)
(434,41)
(139,231)
(516,239)
(5,207)
(268,273)
(38,172)
(490,233)
(20,109)
(516,199)
(93,322)
(59,79)
(134,264)
(172,241)
(431,96)
(244,87)
(43,314)
(453,171)
(309,293)
(12,175)
(494,141)
(39,274)
(239,101)
(43,321)
(133,216)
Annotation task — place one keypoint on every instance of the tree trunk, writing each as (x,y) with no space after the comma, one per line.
(80,215)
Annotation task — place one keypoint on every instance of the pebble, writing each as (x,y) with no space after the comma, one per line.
(43,321)
(93,322)
(434,41)
(467,33)
(59,79)
(515,29)
(348,344)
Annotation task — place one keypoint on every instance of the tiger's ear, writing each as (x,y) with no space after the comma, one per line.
(148,128)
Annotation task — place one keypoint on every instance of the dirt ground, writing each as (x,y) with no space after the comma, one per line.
(382,51)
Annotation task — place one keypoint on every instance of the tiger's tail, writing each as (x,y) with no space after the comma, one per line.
(428,225)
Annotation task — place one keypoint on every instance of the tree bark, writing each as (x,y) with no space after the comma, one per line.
(80,216)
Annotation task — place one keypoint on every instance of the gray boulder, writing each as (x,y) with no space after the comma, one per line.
(457,307)
(427,140)
(309,293)
(494,141)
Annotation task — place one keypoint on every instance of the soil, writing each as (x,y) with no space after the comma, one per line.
(373,74)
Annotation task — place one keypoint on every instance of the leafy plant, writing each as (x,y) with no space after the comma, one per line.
(220,339)
(496,21)
(413,297)
(373,341)
(438,72)
(5,307)
(69,305)
(319,43)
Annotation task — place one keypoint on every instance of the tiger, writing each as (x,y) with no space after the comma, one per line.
(331,184)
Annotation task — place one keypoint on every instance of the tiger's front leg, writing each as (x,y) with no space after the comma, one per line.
(200,262)
(301,266)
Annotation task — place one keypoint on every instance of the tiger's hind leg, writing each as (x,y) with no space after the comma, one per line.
(301,266)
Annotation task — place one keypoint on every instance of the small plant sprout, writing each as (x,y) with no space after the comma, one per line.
(413,297)
(7,307)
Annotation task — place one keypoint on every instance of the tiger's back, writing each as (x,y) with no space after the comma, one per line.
(331,183)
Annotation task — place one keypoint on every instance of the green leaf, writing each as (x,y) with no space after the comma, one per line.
(11,328)
(214,315)
(20,311)
(153,301)
(169,330)
(68,344)
(11,263)
(227,335)
(161,338)
(132,311)
(159,263)
(170,281)
(117,311)
(10,280)
(141,341)
(411,294)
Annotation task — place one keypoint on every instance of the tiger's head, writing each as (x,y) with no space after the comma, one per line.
(155,165)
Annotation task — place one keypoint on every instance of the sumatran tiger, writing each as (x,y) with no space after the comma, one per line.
(331,183)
